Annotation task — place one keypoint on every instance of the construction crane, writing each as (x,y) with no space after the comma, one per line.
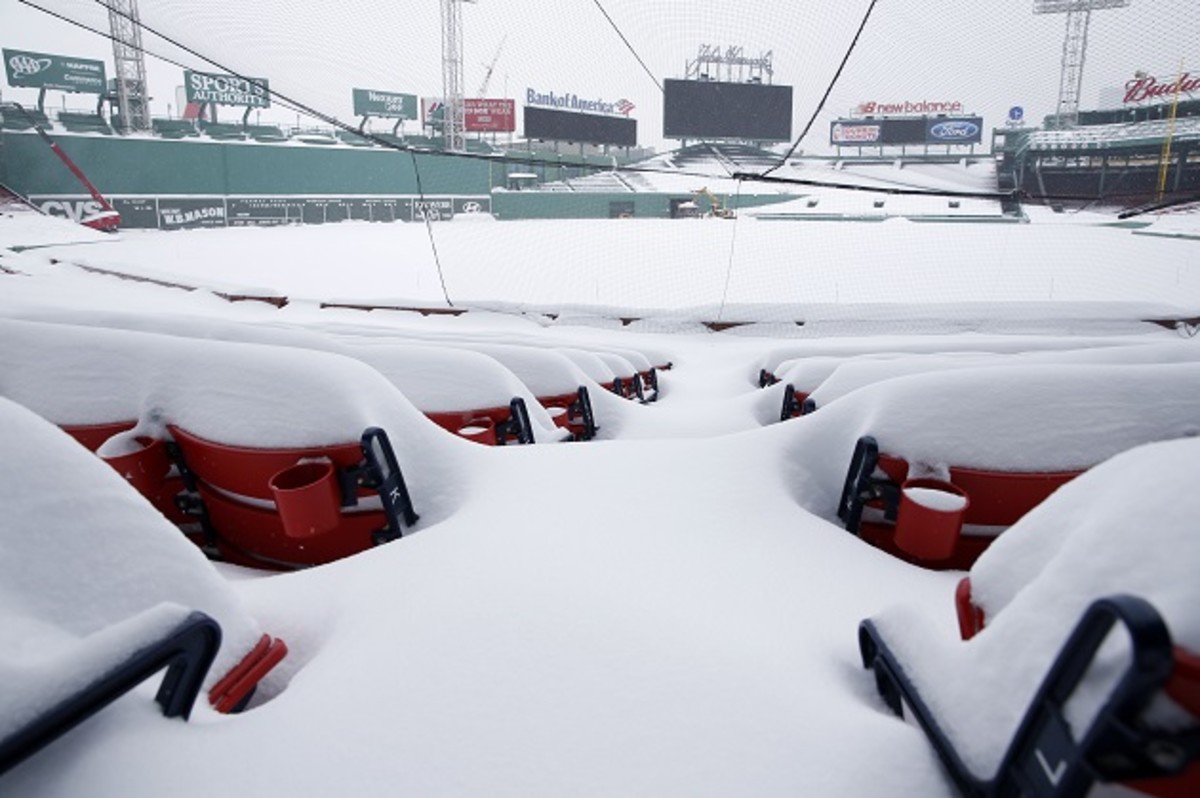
(715,207)
(487,76)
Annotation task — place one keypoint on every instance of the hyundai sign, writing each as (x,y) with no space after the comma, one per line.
(893,132)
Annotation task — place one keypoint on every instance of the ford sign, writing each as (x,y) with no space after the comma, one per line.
(955,130)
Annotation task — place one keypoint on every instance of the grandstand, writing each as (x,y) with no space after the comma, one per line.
(674,185)
(1112,158)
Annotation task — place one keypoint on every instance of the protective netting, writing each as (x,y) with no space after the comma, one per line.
(974,117)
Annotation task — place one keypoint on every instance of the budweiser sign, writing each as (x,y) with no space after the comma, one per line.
(908,108)
(1144,88)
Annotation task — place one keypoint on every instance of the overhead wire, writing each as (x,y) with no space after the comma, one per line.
(628,45)
(828,89)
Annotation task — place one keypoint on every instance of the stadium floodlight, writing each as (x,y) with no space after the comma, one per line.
(453,121)
(132,96)
(1079,15)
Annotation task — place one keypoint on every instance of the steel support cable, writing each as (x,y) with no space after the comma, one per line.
(628,45)
(429,231)
(732,246)
(828,89)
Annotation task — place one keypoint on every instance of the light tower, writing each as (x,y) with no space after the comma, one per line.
(730,65)
(125,25)
(1079,15)
(453,123)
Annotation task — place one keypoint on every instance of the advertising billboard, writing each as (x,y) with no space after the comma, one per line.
(26,69)
(956,130)
(203,87)
(551,125)
(368,102)
(186,213)
(705,109)
(490,116)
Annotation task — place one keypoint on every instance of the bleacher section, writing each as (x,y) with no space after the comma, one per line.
(1125,135)
(174,128)
(267,133)
(11,118)
(223,131)
(84,123)
(354,139)
(735,157)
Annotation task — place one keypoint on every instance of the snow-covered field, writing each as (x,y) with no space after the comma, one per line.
(669,610)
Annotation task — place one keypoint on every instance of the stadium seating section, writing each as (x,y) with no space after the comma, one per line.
(174,128)
(84,123)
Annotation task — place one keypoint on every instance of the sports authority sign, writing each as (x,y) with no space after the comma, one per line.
(573,102)
(203,87)
(1149,89)
(57,72)
(368,102)
(490,116)
(908,108)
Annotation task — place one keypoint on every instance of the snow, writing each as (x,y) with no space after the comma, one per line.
(1039,577)
(935,499)
(82,552)
(669,610)
(683,270)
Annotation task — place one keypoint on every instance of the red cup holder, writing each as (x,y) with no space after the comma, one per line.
(307,498)
(145,468)
(930,518)
(480,430)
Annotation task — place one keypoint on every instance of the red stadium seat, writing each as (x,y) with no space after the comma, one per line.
(573,412)
(493,426)
(1047,755)
(93,436)
(871,507)
(1183,686)
(294,507)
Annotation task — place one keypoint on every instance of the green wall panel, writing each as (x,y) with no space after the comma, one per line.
(158,166)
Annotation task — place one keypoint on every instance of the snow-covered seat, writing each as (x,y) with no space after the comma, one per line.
(876,484)
(970,431)
(93,436)
(493,426)
(295,506)
(556,379)
(97,592)
(464,392)
(1117,546)
(1049,755)
(234,416)
(856,373)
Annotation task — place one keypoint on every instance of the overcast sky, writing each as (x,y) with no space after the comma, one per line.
(988,54)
